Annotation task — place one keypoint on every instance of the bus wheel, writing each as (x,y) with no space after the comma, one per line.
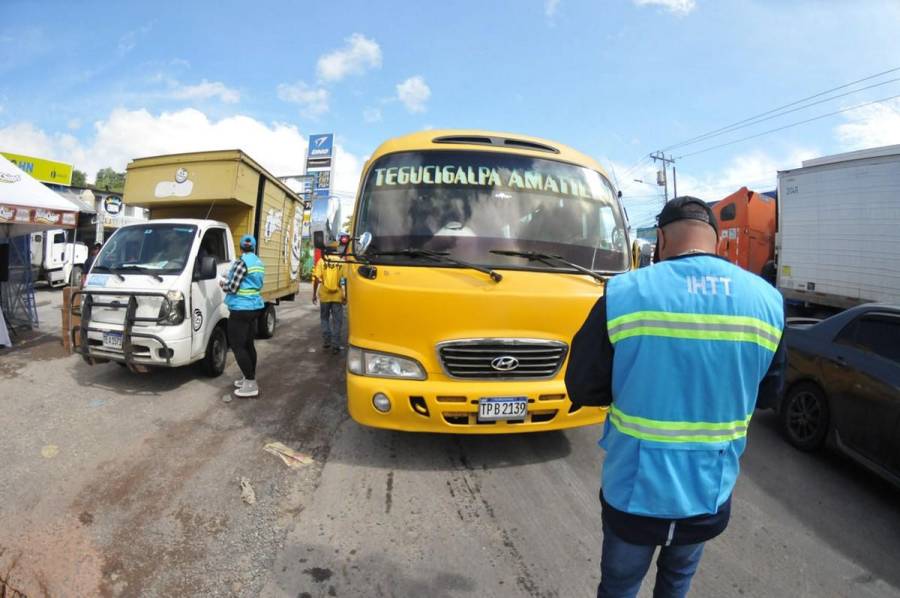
(266,322)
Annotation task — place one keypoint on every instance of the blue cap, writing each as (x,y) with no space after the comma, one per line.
(248,242)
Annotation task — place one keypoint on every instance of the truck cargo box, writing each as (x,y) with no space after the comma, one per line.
(230,187)
(838,218)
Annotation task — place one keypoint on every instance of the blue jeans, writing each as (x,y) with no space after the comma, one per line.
(331,314)
(623,567)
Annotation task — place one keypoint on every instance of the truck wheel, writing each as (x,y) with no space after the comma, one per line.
(266,323)
(75,277)
(804,416)
(213,363)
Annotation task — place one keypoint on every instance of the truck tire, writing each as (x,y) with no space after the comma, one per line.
(769,272)
(213,363)
(266,323)
(75,277)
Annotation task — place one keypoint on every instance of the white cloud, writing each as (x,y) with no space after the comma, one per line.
(74,124)
(313,101)
(128,134)
(678,7)
(871,126)
(372,115)
(414,93)
(358,55)
(204,91)
(756,170)
(550,8)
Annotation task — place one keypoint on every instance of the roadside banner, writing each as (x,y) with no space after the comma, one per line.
(47,171)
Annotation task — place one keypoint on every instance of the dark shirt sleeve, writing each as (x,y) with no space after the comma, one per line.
(589,373)
(771,388)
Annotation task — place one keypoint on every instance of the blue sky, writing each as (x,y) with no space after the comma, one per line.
(98,83)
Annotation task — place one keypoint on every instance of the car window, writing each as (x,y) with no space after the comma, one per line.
(729,212)
(213,244)
(879,334)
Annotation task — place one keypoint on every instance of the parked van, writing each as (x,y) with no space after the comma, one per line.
(478,256)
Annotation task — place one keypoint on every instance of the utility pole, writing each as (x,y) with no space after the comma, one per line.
(663,181)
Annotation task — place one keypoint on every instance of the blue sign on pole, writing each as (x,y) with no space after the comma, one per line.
(320,146)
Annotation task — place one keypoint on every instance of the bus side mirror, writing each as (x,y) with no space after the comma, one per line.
(206,269)
(362,243)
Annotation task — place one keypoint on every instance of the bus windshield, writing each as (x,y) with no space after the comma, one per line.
(468,203)
(155,248)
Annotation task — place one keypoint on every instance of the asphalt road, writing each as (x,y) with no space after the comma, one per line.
(119,484)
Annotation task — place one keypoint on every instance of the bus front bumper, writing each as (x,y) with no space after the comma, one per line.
(451,406)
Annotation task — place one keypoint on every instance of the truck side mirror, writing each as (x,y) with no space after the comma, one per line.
(206,269)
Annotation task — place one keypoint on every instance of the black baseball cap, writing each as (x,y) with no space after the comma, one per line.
(686,207)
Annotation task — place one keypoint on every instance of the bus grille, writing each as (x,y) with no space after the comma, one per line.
(502,359)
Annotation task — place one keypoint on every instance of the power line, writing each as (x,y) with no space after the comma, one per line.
(741,122)
(788,126)
(780,114)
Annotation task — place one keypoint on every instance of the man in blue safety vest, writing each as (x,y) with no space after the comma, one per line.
(679,353)
(242,286)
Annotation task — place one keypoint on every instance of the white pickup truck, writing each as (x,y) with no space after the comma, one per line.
(152,297)
(51,258)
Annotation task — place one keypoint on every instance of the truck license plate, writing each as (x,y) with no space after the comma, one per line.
(502,408)
(112,340)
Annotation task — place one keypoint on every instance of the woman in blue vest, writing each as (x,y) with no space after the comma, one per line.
(679,352)
(242,287)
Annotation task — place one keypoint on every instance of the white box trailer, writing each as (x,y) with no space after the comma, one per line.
(838,222)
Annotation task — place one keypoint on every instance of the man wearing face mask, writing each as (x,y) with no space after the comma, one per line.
(679,352)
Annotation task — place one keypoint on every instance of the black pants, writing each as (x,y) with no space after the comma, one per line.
(241,332)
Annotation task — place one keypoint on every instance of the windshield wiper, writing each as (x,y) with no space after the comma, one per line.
(549,259)
(141,270)
(106,269)
(438,256)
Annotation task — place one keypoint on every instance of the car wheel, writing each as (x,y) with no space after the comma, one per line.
(216,353)
(266,323)
(804,416)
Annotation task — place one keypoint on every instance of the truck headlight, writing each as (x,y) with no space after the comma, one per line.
(363,362)
(171,312)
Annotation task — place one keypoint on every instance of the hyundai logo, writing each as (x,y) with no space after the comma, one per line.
(505,363)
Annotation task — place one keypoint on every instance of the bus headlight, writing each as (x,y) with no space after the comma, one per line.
(363,362)
(171,312)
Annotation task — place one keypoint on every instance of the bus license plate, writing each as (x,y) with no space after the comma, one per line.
(112,340)
(502,408)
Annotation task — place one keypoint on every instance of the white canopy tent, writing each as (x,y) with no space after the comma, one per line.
(26,206)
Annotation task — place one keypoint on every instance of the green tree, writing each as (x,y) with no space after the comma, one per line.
(110,180)
(79,179)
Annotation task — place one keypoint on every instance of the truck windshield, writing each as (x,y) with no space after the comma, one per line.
(468,203)
(156,248)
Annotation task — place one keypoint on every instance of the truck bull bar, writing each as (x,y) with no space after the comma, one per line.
(84,312)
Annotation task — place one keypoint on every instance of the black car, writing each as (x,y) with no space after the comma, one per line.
(843,386)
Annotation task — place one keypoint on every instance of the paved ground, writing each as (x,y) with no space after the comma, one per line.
(122,485)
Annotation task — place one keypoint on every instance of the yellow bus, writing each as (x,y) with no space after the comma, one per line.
(477,257)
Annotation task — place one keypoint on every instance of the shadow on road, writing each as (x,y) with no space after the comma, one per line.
(119,379)
(855,512)
(386,449)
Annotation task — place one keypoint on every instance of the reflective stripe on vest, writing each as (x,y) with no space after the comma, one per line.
(247,292)
(672,431)
(694,326)
(256,269)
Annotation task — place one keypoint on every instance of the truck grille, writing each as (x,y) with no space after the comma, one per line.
(502,358)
